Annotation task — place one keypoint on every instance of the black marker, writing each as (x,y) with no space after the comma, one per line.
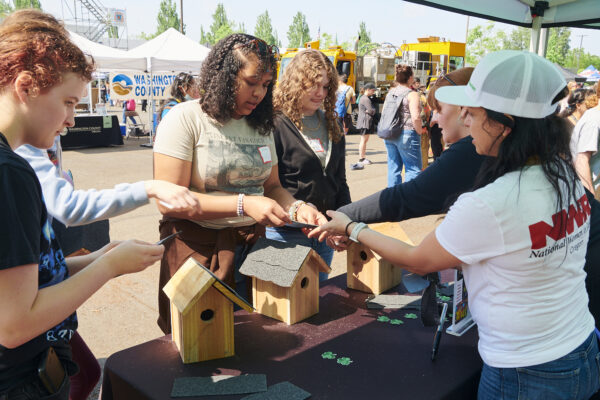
(438,332)
(171,236)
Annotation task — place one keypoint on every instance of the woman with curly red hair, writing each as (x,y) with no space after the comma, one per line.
(43,76)
(221,147)
(310,146)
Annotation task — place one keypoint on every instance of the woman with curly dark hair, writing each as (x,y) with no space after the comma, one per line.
(310,145)
(222,148)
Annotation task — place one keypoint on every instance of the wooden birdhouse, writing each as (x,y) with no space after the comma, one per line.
(367,271)
(285,279)
(201,313)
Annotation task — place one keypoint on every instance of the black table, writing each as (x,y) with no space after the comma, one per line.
(90,131)
(388,361)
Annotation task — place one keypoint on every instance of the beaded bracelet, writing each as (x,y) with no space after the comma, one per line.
(293,211)
(240,205)
(346,228)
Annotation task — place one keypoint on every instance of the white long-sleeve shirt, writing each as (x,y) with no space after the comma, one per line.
(79,207)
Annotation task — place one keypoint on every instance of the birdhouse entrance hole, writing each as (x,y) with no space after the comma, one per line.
(304,283)
(207,315)
(363,255)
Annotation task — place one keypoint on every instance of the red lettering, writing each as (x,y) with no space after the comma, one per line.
(562,224)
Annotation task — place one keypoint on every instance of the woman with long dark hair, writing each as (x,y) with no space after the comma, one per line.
(520,235)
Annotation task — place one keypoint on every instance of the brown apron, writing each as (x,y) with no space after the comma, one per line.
(213,248)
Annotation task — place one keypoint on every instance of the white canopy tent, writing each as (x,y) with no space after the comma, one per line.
(172,51)
(532,14)
(108,58)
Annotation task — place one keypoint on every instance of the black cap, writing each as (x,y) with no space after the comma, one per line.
(370,85)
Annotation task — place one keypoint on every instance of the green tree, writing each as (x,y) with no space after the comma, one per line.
(19,4)
(481,41)
(558,45)
(518,39)
(326,40)
(5,8)
(264,29)
(220,28)
(585,59)
(298,32)
(364,39)
(167,18)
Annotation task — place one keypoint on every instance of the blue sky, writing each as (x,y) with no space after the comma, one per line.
(388,21)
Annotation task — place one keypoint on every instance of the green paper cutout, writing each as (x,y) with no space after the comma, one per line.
(396,322)
(383,318)
(329,355)
(344,361)
(410,316)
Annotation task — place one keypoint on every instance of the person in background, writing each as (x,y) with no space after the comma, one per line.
(405,150)
(183,88)
(222,148)
(575,107)
(309,143)
(344,100)
(584,147)
(365,124)
(520,271)
(44,76)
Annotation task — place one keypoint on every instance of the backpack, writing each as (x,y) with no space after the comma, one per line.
(340,103)
(392,118)
(130,105)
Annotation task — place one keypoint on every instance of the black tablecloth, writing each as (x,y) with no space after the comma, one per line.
(388,361)
(89,131)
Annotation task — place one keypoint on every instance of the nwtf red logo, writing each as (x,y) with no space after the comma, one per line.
(563,224)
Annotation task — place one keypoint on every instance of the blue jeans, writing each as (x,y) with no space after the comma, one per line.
(404,150)
(574,376)
(296,236)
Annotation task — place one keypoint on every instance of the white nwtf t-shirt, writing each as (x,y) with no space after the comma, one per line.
(524,275)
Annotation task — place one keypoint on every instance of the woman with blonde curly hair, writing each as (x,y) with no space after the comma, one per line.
(310,146)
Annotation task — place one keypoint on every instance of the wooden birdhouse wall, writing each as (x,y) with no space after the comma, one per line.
(292,304)
(304,294)
(368,273)
(205,331)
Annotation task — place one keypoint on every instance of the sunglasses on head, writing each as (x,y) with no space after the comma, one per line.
(262,48)
(444,76)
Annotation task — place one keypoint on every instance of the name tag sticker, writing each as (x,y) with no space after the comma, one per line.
(316,145)
(265,154)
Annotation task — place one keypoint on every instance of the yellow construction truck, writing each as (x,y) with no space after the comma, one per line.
(431,56)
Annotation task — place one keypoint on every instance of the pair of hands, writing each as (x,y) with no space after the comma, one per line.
(268,212)
(333,231)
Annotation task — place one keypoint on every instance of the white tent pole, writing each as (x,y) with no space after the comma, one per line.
(543,42)
(536,27)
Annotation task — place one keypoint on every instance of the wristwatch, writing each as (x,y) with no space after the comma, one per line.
(357,228)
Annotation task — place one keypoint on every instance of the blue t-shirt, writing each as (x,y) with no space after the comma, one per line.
(26,237)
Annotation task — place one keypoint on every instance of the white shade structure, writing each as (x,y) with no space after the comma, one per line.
(172,51)
(108,58)
(532,14)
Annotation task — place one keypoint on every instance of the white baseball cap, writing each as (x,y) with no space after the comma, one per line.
(518,83)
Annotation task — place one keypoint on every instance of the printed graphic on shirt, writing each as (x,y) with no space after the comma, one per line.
(53,270)
(235,167)
(564,224)
(316,145)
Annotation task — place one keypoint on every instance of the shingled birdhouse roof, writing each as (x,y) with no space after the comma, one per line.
(279,262)
(191,281)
